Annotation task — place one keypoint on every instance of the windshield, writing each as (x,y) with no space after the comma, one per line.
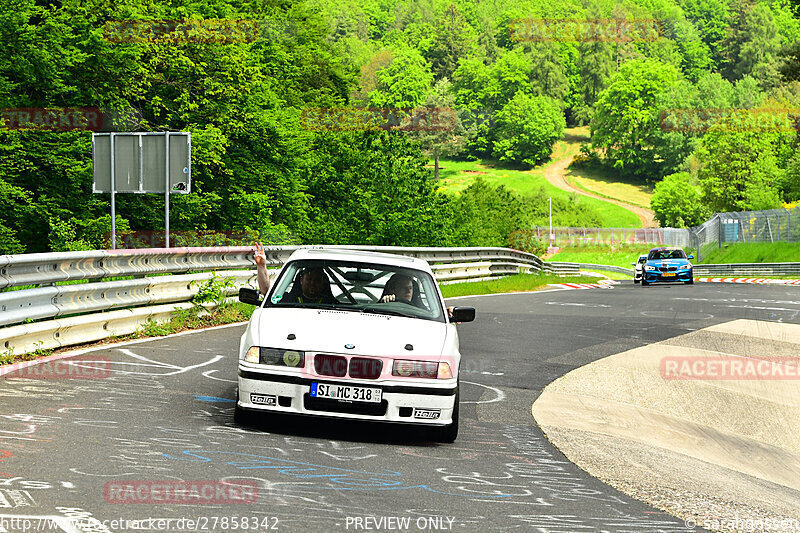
(358,287)
(667,254)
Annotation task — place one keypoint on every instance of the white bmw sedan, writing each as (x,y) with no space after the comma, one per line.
(356,335)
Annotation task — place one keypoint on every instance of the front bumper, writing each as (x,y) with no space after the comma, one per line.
(656,276)
(403,401)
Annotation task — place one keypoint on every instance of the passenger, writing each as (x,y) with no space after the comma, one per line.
(261,268)
(402,287)
(311,284)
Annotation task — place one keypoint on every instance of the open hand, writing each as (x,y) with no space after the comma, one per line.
(259,255)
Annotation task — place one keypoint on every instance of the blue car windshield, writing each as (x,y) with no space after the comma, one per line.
(666,254)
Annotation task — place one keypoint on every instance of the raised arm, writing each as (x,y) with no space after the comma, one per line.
(261,267)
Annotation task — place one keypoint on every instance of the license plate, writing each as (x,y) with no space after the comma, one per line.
(345,393)
(668,274)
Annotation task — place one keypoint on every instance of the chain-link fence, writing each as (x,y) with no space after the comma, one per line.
(748,226)
(605,236)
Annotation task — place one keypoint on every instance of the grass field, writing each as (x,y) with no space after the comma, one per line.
(454,176)
(608,186)
(620,255)
(516,283)
(624,255)
(758,252)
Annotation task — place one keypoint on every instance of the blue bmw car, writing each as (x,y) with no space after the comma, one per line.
(667,265)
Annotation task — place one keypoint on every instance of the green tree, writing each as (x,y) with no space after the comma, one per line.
(453,40)
(404,83)
(790,185)
(444,134)
(714,91)
(711,19)
(486,216)
(527,128)
(753,44)
(676,202)
(740,165)
(547,72)
(626,121)
(746,93)
(373,188)
(596,65)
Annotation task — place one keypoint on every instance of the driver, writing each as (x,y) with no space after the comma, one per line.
(315,287)
(399,286)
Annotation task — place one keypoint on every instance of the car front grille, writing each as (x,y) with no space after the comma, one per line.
(363,368)
(330,365)
(668,269)
(337,366)
(336,406)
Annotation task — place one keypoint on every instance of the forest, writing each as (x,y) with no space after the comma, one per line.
(700,97)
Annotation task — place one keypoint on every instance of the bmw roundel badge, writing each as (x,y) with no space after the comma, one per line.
(349,346)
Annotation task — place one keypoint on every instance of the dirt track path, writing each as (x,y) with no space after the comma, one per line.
(556,175)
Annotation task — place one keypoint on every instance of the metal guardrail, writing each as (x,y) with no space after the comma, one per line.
(733,269)
(606,268)
(748,269)
(95,307)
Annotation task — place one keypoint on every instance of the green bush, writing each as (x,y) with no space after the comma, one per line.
(677,203)
(527,128)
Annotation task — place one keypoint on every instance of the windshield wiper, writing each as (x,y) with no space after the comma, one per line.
(381,311)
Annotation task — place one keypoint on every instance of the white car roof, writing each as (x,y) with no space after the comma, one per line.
(344,254)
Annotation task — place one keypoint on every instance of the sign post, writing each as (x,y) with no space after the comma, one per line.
(141,163)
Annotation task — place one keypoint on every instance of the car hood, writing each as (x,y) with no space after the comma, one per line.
(322,330)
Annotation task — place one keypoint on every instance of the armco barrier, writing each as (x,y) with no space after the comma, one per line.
(564,269)
(100,308)
(606,268)
(45,302)
(156,297)
(726,270)
(748,269)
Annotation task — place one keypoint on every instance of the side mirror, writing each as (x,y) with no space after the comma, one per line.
(633,264)
(249,296)
(691,256)
(463,314)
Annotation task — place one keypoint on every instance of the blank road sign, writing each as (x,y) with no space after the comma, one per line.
(140,162)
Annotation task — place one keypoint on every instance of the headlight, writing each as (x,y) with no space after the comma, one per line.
(685,267)
(421,369)
(649,267)
(275,357)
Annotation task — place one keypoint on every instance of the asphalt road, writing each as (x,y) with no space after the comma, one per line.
(164,414)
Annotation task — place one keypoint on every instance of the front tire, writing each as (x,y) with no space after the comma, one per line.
(690,282)
(449,433)
(241,416)
(645,283)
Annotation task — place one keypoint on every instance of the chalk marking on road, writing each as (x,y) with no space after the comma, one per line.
(207,374)
(500,394)
(576,304)
(158,364)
